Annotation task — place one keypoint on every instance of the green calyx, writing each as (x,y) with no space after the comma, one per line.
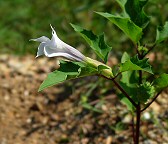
(102,69)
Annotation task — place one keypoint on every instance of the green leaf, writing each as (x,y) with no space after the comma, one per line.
(86,71)
(135,64)
(52,79)
(145,91)
(134,8)
(126,25)
(92,108)
(161,82)
(128,77)
(125,57)
(162,33)
(129,82)
(138,93)
(71,70)
(67,70)
(97,43)
(125,101)
(120,126)
(122,4)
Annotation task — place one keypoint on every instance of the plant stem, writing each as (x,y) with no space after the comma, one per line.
(138,113)
(121,89)
(138,109)
(150,49)
(138,118)
(133,128)
(124,92)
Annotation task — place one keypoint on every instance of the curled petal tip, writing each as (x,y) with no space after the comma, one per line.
(51,26)
(41,39)
(53,30)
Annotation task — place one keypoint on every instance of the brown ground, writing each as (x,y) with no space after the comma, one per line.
(55,116)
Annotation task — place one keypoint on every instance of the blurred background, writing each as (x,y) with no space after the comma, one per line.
(80,111)
(22,20)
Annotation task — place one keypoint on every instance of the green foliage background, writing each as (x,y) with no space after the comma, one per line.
(22,20)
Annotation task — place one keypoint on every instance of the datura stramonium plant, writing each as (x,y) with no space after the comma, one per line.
(57,48)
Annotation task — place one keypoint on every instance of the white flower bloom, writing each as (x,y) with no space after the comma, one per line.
(57,48)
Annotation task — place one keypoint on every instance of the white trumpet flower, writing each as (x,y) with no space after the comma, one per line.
(57,48)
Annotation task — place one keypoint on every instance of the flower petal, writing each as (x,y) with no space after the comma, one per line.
(72,51)
(40,49)
(53,53)
(57,48)
(53,31)
(53,43)
(41,39)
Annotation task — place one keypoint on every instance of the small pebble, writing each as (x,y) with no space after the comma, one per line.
(147,115)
